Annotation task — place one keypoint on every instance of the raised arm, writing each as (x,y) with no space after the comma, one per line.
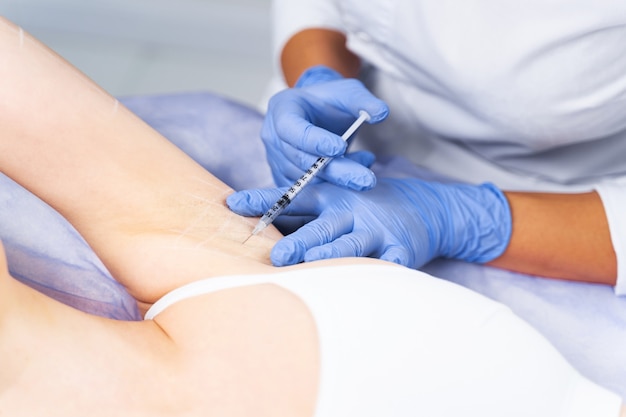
(140,202)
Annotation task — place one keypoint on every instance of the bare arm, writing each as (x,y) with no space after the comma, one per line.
(560,235)
(155,217)
(317,47)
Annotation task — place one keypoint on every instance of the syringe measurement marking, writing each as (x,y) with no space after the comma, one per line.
(278,207)
(295,189)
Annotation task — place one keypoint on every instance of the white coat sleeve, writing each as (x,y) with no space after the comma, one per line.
(614,199)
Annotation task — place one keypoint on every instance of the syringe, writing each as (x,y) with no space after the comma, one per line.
(280,205)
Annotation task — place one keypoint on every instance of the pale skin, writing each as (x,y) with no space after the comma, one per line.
(154,230)
(238,352)
(562,236)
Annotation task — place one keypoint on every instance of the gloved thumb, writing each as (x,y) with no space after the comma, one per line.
(254,202)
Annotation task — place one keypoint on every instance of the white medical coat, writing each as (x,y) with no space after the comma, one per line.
(527,94)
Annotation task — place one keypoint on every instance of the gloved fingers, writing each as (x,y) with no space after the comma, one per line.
(353,97)
(313,139)
(345,172)
(365,158)
(358,243)
(287,162)
(256,202)
(314,118)
(296,122)
(284,170)
(253,202)
(397,254)
(292,248)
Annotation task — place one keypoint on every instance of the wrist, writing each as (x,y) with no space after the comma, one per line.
(477,222)
(488,228)
(317,74)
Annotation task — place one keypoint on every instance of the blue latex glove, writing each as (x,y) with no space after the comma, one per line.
(406,221)
(306,122)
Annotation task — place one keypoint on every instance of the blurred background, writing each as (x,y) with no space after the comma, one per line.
(138,47)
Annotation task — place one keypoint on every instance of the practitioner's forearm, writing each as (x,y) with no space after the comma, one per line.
(317,47)
(560,235)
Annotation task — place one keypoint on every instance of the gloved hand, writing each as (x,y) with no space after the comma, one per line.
(306,122)
(406,221)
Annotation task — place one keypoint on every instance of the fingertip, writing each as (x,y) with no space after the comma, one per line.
(232,198)
(317,254)
(234,201)
(363,182)
(348,173)
(332,145)
(285,253)
(378,113)
(396,255)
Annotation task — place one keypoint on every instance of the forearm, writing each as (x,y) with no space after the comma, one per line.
(560,235)
(317,47)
